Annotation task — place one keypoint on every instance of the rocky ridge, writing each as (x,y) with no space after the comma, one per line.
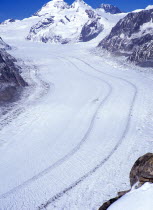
(132,36)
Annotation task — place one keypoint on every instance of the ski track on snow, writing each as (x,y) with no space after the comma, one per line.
(81,179)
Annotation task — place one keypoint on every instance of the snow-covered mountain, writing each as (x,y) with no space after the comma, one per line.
(58,22)
(133,36)
(52,7)
(63,23)
(110,8)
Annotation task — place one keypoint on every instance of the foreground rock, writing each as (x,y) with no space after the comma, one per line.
(141,173)
(10,78)
(133,36)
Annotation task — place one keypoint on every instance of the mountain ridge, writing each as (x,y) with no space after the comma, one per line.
(133,36)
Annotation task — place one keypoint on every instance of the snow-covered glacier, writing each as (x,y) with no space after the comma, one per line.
(85,117)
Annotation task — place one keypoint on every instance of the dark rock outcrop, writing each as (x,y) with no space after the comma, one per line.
(132,36)
(141,172)
(110,8)
(10,78)
(9,71)
(91,30)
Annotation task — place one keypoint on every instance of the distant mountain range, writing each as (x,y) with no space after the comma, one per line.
(129,34)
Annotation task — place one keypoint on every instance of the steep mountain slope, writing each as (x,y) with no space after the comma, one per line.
(132,35)
(10,76)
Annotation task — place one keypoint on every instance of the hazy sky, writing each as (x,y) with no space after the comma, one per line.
(19,9)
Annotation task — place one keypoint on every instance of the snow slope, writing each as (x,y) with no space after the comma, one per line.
(72,144)
(139,199)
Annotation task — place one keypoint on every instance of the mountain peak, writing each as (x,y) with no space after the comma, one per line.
(52,6)
(109,8)
(80,3)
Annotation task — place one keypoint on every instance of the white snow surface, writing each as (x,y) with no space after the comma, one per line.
(52,7)
(149,7)
(137,199)
(72,139)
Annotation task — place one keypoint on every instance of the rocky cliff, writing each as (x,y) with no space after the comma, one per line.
(132,36)
(10,78)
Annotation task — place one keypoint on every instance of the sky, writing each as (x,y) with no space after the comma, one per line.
(19,9)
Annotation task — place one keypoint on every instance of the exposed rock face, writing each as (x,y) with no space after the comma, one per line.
(143,55)
(133,36)
(141,172)
(110,8)
(91,30)
(8,70)
(10,77)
